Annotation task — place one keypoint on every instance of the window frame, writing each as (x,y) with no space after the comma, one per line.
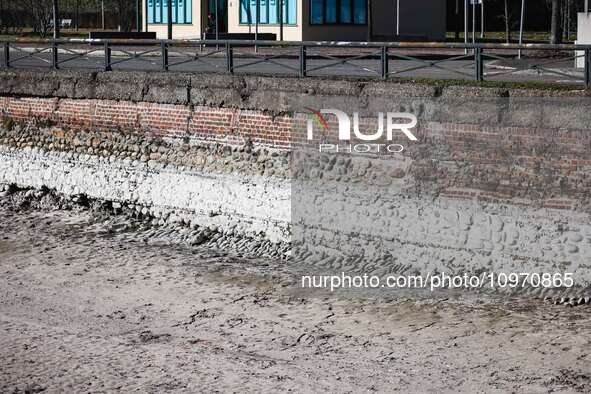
(157,15)
(338,14)
(264,9)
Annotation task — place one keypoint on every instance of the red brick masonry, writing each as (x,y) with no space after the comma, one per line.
(225,125)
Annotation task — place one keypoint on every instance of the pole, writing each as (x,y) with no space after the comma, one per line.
(587,67)
(281,20)
(473,21)
(137,15)
(56,20)
(217,22)
(6,54)
(481,18)
(146,14)
(465,24)
(108,57)
(398,18)
(256,26)
(302,61)
(169,17)
(521,27)
(77,13)
(103,14)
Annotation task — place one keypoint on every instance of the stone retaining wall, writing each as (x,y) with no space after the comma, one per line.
(217,151)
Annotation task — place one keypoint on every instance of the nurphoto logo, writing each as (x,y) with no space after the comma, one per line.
(396,122)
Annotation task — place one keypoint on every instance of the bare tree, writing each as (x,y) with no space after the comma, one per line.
(509,11)
(77,14)
(507,18)
(39,14)
(124,14)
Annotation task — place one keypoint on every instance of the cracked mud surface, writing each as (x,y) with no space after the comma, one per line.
(85,309)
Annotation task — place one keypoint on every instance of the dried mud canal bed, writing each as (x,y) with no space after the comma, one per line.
(89,305)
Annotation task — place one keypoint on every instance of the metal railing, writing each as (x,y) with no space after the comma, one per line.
(478,62)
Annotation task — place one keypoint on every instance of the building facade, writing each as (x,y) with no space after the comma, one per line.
(302,19)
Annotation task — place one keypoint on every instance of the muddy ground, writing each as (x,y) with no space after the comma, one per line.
(87,306)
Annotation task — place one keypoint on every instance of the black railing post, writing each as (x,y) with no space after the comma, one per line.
(54,56)
(302,61)
(6,54)
(164,49)
(478,64)
(587,67)
(384,58)
(229,58)
(108,57)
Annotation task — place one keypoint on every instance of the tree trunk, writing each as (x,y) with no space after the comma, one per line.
(138,21)
(77,13)
(458,21)
(368,16)
(556,26)
(507,23)
(2,27)
(56,20)
(119,15)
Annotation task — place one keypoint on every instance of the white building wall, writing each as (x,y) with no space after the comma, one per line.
(583,35)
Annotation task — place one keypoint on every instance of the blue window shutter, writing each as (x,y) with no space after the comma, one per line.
(331,11)
(292,11)
(157,11)
(150,11)
(264,10)
(360,7)
(253,11)
(273,13)
(317,12)
(345,11)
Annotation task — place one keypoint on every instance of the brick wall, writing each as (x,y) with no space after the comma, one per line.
(224,125)
(535,166)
